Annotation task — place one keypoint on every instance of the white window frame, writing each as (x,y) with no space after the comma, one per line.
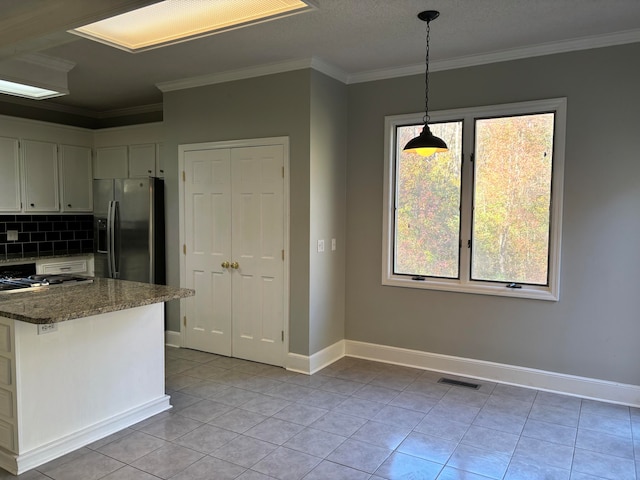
(464,284)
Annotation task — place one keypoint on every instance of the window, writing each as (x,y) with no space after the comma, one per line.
(484,217)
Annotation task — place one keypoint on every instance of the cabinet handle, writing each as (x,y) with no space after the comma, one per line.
(33,204)
(149,171)
(69,205)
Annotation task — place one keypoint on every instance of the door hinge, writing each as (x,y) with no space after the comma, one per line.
(282,172)
(184,248)
(184,176)
(472,157)
(468,243)
(184,320)
(282,254)
(282,332)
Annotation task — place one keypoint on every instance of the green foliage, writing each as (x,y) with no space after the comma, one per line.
(512,197)
(428,205)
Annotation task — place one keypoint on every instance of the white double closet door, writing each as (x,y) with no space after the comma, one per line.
(234,238)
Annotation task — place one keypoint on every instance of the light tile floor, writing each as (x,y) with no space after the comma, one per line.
(356,420)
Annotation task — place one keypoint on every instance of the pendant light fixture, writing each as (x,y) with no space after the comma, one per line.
(426,144)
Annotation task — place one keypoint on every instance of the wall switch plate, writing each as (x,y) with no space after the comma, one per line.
(47,328)
(12,235)
(320,246)
(333,244)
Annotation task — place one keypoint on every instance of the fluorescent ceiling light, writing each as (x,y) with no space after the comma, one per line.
(27,91)
(174,21)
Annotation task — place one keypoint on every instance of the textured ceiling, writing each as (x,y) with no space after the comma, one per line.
(358,37)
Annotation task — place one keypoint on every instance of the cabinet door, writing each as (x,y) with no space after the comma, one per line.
(76,179)
(142,160)
(160,161)
(111,162)
(40,167)
(9,175)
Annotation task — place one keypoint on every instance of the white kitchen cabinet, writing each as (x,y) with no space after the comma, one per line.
(76,184)
(160,161)
(9,175)
(142,160)
(111,162)
(40,176)
(78,265)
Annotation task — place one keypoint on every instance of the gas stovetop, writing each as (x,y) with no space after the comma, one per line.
(35,282)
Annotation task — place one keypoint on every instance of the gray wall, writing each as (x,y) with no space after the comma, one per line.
(327,211)
(594,329)
(270,106)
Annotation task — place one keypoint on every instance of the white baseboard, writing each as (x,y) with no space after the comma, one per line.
(316,362)
(17,464)
(584,387)
(172,339)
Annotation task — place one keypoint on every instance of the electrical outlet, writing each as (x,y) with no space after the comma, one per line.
(333,244)
(47,328)
(12,235)
(320,246)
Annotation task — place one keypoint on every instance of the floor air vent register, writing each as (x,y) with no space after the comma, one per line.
(458,383)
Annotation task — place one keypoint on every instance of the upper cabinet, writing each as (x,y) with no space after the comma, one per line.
(43,177)
(128,161)
(9,175)
(49,168)
(160,161)
(111,162)
(142,160)
(76,179)
(40,177)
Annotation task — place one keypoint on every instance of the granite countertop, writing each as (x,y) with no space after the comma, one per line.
(60,303)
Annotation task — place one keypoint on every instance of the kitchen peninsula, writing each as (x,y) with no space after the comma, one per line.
(78,363)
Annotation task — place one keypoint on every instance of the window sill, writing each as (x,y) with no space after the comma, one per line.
(527,291)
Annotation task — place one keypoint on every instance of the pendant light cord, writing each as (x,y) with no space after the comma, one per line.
(426,117)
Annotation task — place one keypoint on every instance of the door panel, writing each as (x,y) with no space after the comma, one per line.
(208,240)
(257,232)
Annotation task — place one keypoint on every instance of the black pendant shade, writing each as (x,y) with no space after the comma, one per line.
(426,144)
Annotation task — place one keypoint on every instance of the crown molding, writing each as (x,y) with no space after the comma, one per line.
(123,112)
(82,112)
(47,61)
(252,72)
(585,43)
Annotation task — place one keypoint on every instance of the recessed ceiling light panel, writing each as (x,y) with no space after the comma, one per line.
(173,21)
(27,91)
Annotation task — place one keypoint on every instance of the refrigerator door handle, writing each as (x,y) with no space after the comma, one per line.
(116,239)
(110,239)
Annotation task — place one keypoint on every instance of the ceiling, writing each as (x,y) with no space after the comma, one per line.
(354,40)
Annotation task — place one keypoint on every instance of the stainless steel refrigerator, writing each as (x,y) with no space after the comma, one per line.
(128,223)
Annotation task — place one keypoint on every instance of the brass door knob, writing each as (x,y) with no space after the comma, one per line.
(224,264)
(235,265)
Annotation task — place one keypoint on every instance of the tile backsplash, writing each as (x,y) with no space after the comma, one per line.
(45,235)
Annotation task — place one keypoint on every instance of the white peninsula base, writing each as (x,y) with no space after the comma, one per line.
(86,379)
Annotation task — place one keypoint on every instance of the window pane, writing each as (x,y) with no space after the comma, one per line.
(512,194)
(427,215)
